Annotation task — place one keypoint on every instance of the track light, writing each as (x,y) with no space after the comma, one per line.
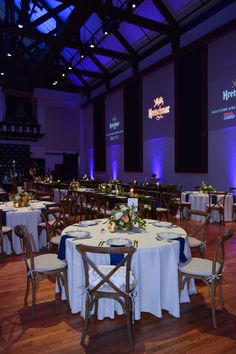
(92,43)
(109,26)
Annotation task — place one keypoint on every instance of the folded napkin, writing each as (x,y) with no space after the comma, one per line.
(4,218)
(182,257)
(214,199)
(187,197)
(62,247)
(116,258)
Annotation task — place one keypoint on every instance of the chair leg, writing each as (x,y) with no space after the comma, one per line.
(86,323)
(66,286)
(213,308)
(220,295)
(34,289)
(128,313)
(27,290)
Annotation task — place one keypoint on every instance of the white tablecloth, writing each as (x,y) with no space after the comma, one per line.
(24,216)
(56,194)
(155,265)
(200,200)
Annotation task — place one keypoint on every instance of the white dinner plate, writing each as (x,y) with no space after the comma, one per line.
(88,223)
(167,235)
(78,233)
(119,242)
(8,209)
(162,223)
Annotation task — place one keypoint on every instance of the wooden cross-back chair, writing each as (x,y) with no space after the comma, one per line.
(217,204)
(208,271)
(233,191)
(39,267)
(106,287)
(55,221)
(5,231)
(196,230)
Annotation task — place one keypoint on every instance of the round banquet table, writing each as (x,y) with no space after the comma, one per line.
(200,200)
(29,216)
(155,265)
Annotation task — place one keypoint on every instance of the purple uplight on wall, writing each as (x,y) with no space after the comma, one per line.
(230,152)
(113,157)
(155,156)
(91,163)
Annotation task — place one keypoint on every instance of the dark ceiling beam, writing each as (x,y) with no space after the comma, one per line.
(61,42)
(161,7)
(49,68)
(206,14)
(120,38)
(79,76)
(94,74)
(51,13)
(99,65)
(120,14)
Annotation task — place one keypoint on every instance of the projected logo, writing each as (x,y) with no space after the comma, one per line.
(228,110)
(114,129)
(159,110)
(230,94)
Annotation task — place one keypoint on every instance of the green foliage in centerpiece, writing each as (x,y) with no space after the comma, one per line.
(74,185)
(125,218)
(206,188)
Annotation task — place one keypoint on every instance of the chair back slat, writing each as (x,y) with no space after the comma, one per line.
(86,251)
(219,253)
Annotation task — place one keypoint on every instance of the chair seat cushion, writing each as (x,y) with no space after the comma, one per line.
(194,242)
(185,203)
(55,240)
(199,266)
(6,229)
(161,209)
(47,262)
(118,278)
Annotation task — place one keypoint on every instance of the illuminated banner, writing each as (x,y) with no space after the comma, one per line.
(114,129)
(227,111)
(158,110)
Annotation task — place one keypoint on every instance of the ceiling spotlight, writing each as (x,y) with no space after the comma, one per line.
(132,4)
(55,83)
(63,74)
(82,56)
(92,44)
(20,25)
(9,54)
(2,74)
(70,67)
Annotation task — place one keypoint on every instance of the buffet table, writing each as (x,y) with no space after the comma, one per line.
(29,216)
(155,265)
(200,200)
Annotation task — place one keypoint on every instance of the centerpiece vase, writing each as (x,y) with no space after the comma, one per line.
(129,226)
(25,200)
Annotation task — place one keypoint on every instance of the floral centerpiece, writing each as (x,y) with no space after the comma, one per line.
(74,185)
(206,188)
(22,198)
(125,218)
